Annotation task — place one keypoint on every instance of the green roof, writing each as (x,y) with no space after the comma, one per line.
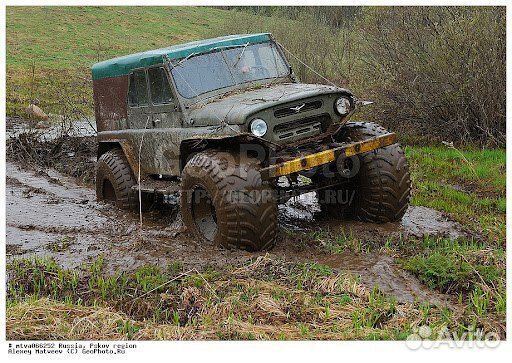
(121,66)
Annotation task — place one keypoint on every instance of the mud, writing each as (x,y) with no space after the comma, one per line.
(304,213)
(50,214)
(65,211)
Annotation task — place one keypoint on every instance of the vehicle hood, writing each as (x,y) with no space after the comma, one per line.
(234,109)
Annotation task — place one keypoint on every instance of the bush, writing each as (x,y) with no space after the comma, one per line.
(437,71)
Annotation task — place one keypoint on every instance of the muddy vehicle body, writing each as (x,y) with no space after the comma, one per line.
(224,128)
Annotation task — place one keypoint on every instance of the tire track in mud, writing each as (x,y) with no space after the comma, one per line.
(46,209)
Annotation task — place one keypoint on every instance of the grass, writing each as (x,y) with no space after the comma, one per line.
(50,49)
(468,185)
(472,270)
(265,298)
(43,33)
(452,265)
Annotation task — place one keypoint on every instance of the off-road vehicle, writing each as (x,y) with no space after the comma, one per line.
(223,127)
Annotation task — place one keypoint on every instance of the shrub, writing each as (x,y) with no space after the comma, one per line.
(437,71)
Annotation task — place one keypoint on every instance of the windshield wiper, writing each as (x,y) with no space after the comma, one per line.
(184,59)
(221,48)
(230,46)
(240,55)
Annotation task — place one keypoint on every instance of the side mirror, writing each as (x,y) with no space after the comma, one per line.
(364,103)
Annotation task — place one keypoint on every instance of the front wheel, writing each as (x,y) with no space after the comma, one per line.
(225,201)
(380,191)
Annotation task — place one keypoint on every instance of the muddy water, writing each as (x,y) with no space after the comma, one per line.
(48,211)
(303,213)
(84,127)
(49,215)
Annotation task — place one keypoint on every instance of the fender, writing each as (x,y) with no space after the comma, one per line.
(128,151)
(244,141)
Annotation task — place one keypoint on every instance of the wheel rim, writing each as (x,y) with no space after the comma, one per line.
(203,213)
(109,193)
(345,167)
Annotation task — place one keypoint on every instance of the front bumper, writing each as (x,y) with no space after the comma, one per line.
(327,156)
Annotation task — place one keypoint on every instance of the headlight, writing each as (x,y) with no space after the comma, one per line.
(258,127)
(342,106)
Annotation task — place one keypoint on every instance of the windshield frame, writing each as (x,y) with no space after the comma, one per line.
(289,76)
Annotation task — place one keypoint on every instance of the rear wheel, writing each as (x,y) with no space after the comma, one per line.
(380,190)
(114,179)
(224,201)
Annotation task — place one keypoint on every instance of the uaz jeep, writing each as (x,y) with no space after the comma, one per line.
(223,127)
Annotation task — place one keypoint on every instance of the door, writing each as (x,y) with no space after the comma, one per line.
(163,104)
(139,121)
(165,122)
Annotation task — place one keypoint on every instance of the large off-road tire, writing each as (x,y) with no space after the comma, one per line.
(114,179)
(380,191)
(225,201)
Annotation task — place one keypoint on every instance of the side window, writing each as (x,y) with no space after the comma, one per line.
(159,86)
(138,93)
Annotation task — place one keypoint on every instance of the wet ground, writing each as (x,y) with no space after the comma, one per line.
(82,128)
(304,212)
(48,214)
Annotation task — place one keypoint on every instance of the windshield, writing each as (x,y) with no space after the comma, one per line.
(227,67)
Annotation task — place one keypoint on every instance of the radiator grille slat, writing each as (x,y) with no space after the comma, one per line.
(297,108)
(306,127)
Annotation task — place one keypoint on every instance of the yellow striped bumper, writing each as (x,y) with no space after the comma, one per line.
(327,156)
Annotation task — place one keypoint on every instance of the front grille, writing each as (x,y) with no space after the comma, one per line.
(306,127)
(299,107)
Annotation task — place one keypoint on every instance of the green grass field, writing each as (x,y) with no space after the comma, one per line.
(50,49)
(70,37)
(468,185)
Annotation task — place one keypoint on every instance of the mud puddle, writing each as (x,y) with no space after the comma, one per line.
(80,128)
(49,215)
(303,213)
(378,269)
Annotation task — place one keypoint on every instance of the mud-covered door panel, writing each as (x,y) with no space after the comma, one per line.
(164,115)
(163,104)
(138,100)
